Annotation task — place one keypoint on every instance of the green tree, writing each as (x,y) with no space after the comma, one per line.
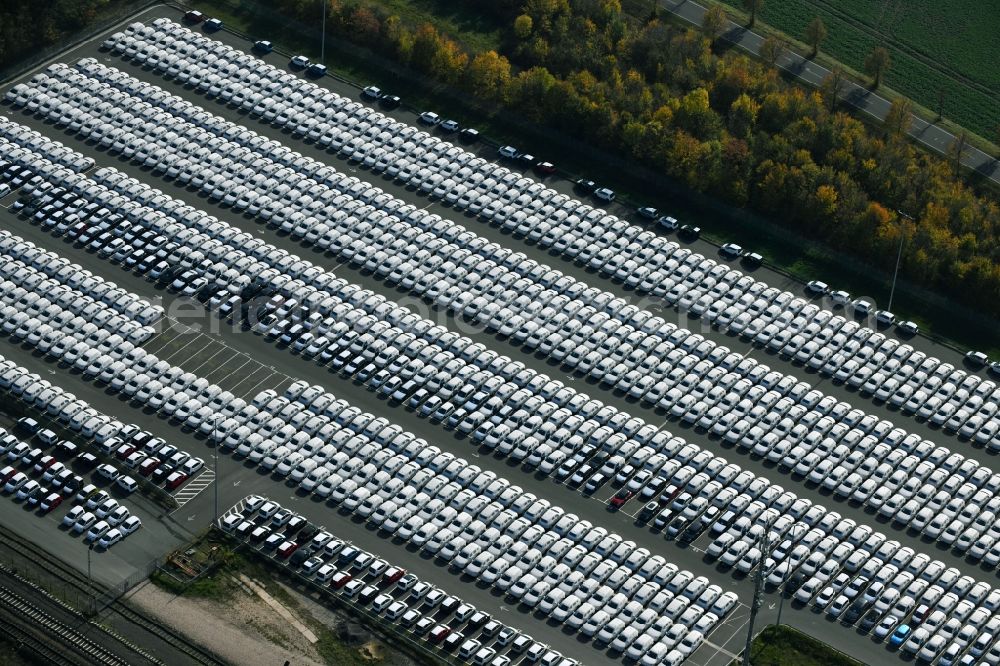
(815,34)
(523,26)
(877,64)
(695,115)
(714,22)
(753,6)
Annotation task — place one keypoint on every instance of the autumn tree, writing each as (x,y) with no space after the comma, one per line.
(743,116)
(897,121)
(815,34)
(772,49)
(426,43)
(752,6)
(877,64)
(713,23)
(488,77)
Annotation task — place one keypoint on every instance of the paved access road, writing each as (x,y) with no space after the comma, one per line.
(934,137)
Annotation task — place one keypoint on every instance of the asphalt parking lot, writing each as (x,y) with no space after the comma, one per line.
(196,348)
(245,364)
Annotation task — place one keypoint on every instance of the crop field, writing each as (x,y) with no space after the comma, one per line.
(935,46)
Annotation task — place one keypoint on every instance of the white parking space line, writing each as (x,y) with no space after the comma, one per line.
(221,350)
(253,389)
(164,336)
(187,344)
(222,368)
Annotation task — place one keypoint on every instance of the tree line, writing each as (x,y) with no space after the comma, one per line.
(718,121)
(659,93)
(26,26)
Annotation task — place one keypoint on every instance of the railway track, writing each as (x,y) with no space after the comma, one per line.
(31,638)
(29,618)
(75,578)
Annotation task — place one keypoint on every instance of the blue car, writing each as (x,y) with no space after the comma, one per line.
(900,635)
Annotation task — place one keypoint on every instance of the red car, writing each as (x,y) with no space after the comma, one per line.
(340,579)
(439,633)
(621,497)
(147,466)
(287,548)
(175,479)
(545,167)
(124,451)
(392,574)
(51,501)
(194,17)
(6,473)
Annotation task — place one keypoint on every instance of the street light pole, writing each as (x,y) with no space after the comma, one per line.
(322,37)
(90,580)
(215,452)
(899,256)
(781,593)
(758,592)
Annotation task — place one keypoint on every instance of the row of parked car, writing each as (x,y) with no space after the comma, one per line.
(916,364)
(379,589)
(374,306)
(42,477)
(140,361)
(525,203)
(697,398)
(964,390)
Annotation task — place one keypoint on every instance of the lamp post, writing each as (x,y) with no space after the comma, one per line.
(215,454)
(90,580)
(758,592)
(322,37)
(781,601)
(899,256)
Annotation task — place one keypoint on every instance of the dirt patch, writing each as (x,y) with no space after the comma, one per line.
(243,630)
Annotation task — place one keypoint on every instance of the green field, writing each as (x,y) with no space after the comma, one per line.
(935,46)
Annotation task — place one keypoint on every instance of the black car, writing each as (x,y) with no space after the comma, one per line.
(27,425)
(263,46)
(675,528)
(527,160)
(869,621)
(690,232)
(298,557)
(160,474)
(390,101)
(794,583)
(306,532)
(469,135)
(854,612)
(752,260)
(586,186)
(648,511)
